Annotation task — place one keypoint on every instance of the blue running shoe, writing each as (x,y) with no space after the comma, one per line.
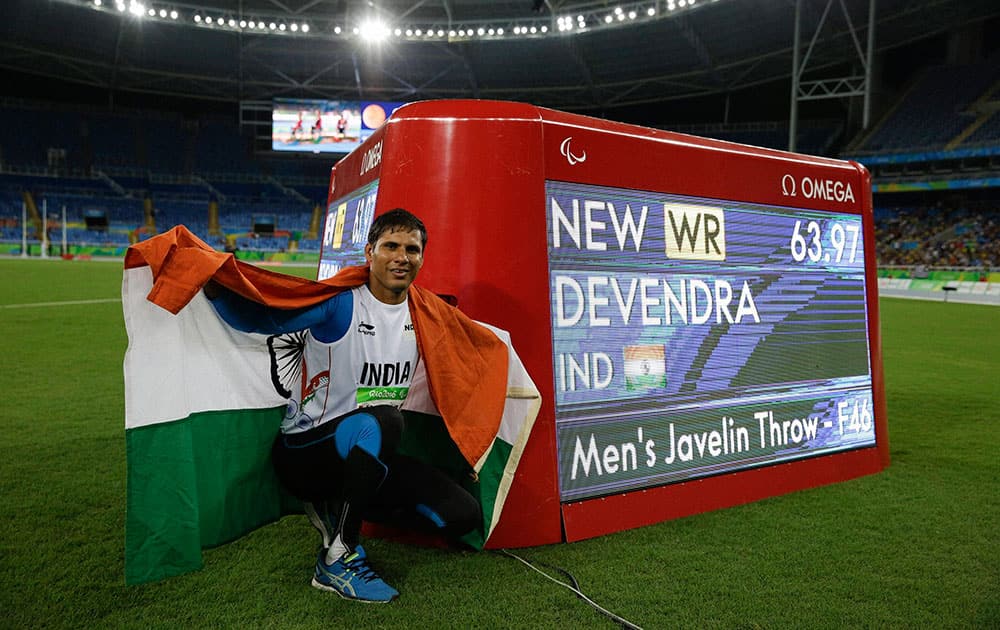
(352,577)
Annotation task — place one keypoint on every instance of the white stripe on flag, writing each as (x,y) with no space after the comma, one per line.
(177,365)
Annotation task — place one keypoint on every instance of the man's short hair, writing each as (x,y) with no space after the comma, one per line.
(396,219)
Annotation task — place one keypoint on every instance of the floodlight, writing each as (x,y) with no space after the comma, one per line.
(120,6)
(272,26)
(499,31)
(631,15)
(282,27)
(173,15)
(136,8)
(481,32)
(452,33)
(208,20)
(305,28)
(151,13)
(97,3)
(197,18)
(336,30)
(651,11)
(373,30)
(608,18)
(243,23)
(533,30)
(232,23)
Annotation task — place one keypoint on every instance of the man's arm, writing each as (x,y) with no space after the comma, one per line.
(327,320)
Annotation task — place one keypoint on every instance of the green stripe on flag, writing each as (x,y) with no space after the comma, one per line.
(427,439)
(198,482)
(645,381)
(489,486)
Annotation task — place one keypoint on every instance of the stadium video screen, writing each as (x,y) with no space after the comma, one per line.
(345,232)
(695,337)
(317,126)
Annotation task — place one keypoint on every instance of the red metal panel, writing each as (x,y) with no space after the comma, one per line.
(626,156)
(874,322)
(630,157)
(595,517)
(475,172)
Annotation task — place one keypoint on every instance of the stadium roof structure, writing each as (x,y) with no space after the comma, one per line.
(581,55)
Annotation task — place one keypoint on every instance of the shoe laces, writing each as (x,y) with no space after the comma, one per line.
(361,568)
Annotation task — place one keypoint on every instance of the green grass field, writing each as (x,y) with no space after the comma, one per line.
(914,546)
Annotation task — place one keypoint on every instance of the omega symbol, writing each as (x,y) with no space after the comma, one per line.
(788,186)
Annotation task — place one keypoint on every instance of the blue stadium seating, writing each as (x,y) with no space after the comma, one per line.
(934,111)
(988,132)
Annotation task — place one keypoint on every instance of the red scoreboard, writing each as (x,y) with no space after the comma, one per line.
(701,317)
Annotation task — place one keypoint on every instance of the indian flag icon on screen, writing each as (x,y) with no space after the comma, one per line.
(645,367)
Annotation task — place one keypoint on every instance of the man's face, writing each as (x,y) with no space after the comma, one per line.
(395,260)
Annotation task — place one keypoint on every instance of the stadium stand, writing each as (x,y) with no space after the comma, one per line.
(938,236)
(116,163)
(937,109)
(946,126)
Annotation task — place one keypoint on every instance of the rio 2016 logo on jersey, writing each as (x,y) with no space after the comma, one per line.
(694,232)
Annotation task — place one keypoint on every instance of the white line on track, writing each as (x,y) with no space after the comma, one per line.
(64,303)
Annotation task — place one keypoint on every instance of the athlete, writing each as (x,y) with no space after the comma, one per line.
(337,447)
(297,129)
(316,131)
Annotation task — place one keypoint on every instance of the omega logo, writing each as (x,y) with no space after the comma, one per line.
(816,188)
(788,186)
(372,158)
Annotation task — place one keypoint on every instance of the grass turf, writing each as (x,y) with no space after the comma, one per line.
(913,546)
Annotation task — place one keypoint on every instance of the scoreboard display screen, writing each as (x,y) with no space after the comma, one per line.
(694,337)
(345,231)
(324,126)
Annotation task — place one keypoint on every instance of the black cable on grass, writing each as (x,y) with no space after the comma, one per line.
(575,587)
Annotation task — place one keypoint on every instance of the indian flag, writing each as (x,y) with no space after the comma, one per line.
(202,408)
(645,367)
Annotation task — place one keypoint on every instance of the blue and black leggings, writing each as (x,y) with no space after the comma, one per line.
(352,460)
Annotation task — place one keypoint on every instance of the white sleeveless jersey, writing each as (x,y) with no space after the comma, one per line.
(372,364)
